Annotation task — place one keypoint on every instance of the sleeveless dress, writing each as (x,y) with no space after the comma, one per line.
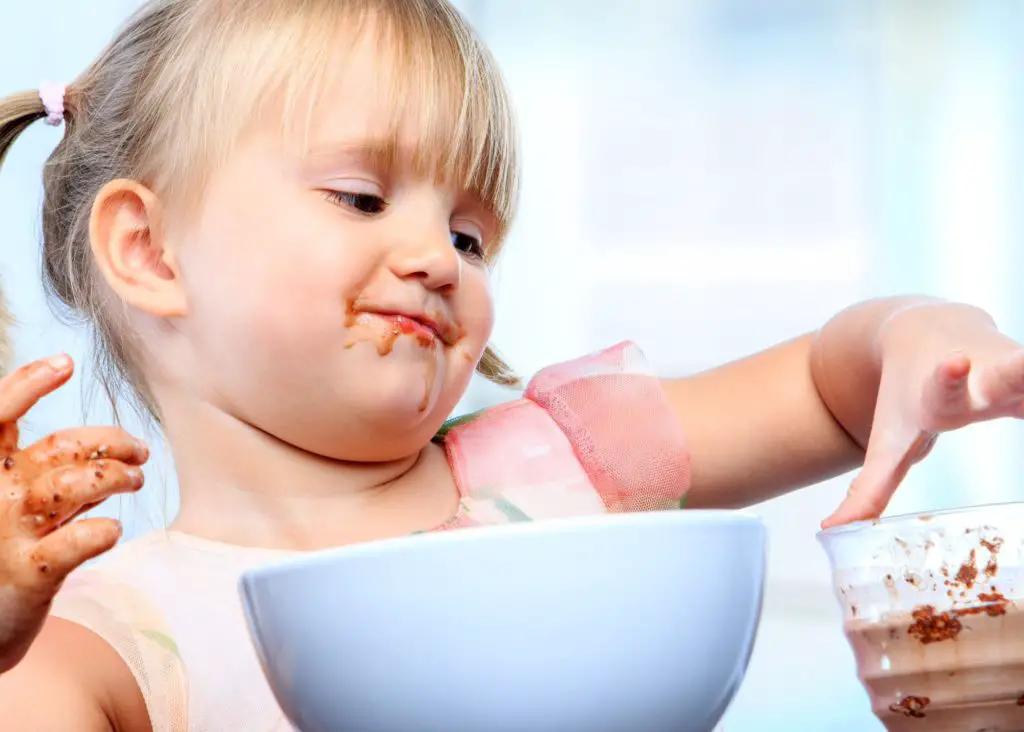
(590,436)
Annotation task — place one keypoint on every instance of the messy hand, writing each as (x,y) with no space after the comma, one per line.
(42,489)
(943,367)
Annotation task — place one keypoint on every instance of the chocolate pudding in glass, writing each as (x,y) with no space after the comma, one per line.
(932,607)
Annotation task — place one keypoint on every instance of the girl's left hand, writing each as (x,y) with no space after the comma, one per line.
(944,366)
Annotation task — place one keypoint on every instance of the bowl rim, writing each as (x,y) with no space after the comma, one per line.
(574,524)
(920,516)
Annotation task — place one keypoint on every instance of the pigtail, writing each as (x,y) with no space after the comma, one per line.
(493,368)
(17,112)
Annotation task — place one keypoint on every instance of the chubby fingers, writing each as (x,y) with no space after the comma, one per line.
(58,553)
(946,398)
(59,495)
(1000,386)
(82,444)
(887,461)
(21,389)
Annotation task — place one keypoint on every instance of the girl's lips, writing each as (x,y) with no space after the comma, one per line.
(423,324)
(411,326)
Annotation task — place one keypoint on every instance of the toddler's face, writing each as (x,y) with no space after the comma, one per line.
(336,300)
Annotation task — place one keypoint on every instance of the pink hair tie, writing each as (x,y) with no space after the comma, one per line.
(53,101)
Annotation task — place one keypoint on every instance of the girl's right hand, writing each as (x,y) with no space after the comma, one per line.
(43,488)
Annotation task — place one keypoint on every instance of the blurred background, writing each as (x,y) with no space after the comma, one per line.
(707,178)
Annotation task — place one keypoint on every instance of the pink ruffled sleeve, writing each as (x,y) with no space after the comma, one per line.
(601,421)
(613,411)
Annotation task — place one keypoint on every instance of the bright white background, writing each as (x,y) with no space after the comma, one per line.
(706,177)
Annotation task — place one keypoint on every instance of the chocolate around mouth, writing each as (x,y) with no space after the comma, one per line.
(437,326)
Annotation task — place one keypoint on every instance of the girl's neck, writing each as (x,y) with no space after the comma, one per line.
(240,486)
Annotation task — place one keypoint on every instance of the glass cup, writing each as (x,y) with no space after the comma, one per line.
(932,610)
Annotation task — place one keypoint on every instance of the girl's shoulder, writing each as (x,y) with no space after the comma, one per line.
(107,599)
(71,679)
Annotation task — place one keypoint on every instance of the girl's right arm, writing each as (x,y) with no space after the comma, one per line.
(54,674)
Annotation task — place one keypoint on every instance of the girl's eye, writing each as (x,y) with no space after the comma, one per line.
(468,244)
(366,203)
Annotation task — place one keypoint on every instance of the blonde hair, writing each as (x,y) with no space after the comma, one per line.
(183,80)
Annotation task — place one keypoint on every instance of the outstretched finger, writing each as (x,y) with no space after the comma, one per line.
(883,470)
(57,554)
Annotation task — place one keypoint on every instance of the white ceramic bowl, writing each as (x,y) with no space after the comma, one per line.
(932,608)
(602,624)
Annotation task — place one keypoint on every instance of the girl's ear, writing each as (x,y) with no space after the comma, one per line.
(131,252)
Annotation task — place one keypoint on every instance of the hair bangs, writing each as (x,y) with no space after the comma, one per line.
(442,94)
(447,94)
(443,106)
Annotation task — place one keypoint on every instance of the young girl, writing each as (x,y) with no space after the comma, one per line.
(279,216)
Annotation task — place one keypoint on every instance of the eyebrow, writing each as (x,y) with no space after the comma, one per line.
(376,153)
